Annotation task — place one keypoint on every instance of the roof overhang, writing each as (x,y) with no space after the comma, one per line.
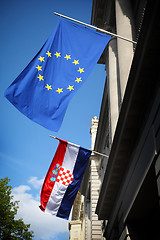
(103,17)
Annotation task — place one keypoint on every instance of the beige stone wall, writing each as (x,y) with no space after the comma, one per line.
(125,49)
(75,228)
(96,232)
(77,225)
(96,225)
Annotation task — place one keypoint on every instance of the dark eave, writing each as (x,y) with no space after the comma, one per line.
(103,17)
(103,14)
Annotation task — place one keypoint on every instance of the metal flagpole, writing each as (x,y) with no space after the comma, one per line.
(99,29)
(101,154)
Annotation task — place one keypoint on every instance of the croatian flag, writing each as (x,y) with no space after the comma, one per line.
(63,179)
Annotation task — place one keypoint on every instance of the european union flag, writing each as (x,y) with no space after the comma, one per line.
(44,88)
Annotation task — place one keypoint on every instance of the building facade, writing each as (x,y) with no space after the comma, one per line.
(85,224)
(127,190)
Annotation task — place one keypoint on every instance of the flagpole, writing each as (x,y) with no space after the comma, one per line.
(99,29)
(101,154)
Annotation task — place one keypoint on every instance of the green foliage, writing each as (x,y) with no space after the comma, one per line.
(11,229)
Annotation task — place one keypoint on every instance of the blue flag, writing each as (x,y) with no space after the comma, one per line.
(44,88)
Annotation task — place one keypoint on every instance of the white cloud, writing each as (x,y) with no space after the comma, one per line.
(35,182)
(45,226)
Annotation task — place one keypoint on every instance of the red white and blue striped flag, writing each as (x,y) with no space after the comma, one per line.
(63,179)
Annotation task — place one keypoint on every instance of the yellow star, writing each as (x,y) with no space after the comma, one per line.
(70,88)
(48,87)
(41,59)
(59,90)
(48,54)
(40,77)
(80,70)
(57,54)
(67,57)
(39,68)
(76,62)
(78,80)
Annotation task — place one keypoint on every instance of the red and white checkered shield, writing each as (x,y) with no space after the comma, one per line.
(64,176)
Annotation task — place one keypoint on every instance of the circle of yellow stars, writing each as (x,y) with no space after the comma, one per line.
(58,55)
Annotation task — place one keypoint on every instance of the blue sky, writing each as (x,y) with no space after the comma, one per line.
(26,150)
